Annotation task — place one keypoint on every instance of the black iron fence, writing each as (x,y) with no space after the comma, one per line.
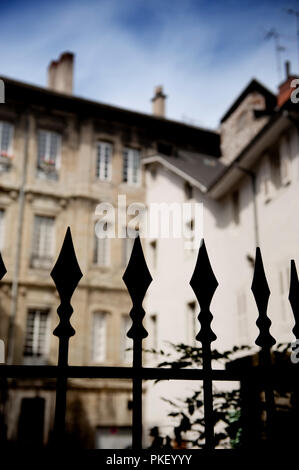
(66,275)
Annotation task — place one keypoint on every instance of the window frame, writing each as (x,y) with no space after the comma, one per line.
(40,257)
(50,173)
(131,152)
(36,358)
(97,358)
(6,156)
(11,136)
(99,164)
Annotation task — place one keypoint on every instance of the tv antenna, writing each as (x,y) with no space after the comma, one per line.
(273,34)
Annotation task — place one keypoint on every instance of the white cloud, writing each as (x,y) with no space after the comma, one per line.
(116,66)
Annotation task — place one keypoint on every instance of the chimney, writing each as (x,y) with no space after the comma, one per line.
(159,102)
(60,73)
(285,89)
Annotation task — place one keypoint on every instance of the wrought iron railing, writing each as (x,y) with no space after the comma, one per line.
(66,275)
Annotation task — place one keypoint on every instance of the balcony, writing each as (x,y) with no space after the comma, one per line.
(41,262)
(47,169)
(5,161)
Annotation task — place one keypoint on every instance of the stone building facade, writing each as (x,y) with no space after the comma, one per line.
(60,157)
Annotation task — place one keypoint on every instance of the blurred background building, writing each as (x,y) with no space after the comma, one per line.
(60,157)
(249,197)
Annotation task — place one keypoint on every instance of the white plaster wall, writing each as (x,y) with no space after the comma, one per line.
(228,245)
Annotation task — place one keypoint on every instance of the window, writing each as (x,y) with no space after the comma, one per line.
(236,207)
(101,254)
(1,229)
(6,135)
(48,159)
(37,336)
(103,163)
(127,250)
(191,323)
(99,337)
(131,166)
(43,241)
(126,343)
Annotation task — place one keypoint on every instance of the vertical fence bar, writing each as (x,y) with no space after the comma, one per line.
(137,279)
(66,274)
(265,340)
(137,397)
(294,297)
(3,381)
(294,301)
(204,284)
(3,271)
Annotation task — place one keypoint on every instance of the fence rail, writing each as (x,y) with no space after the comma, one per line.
(66,275)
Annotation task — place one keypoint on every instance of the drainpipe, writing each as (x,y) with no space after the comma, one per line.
(15,281)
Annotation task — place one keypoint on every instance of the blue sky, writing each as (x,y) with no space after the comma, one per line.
(203,52)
